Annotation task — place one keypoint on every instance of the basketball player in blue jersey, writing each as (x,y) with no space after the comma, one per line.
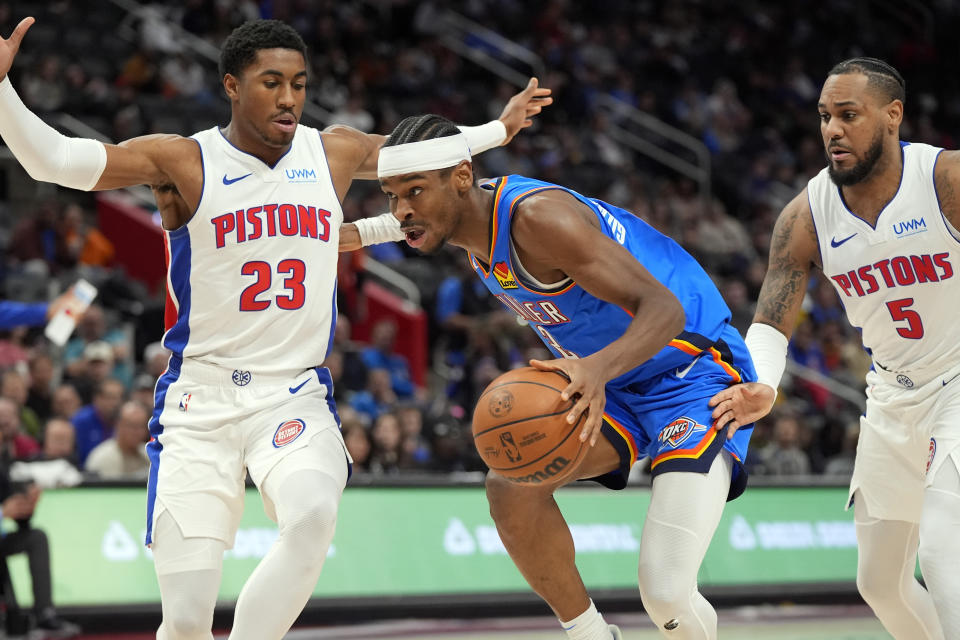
(882,221)
(252,265)
(641,333)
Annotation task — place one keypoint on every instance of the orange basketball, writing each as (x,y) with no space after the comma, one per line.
(520,427)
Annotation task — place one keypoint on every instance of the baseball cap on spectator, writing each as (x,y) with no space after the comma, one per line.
(144,381)
(98,350)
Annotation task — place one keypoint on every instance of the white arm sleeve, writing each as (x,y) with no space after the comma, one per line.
(485,136)
(378,229)
(768,350)
(46,154)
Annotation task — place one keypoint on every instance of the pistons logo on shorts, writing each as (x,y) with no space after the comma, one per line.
(679,431)
(288,431)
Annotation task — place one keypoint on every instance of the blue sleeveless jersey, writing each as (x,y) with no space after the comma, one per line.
(572,322)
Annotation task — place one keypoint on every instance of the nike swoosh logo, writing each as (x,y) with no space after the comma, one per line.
(946,382)
(683,372)
(228,181)
(299,386)
(836,243)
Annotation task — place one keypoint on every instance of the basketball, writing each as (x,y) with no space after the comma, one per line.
(520,427)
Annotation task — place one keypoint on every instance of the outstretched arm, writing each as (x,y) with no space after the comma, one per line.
(79,163)
(793,251)
(353,154)
(557,235)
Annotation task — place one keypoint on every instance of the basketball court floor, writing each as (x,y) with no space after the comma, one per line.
(841,622)
(746,623)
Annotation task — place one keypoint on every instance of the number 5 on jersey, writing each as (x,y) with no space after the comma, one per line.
(899,310)
(292,271)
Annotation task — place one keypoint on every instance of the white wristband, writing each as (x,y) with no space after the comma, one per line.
(45,153)
(382,228)
(768,350)
(485,136)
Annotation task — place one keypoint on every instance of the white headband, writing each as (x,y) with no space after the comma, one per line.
(426,155)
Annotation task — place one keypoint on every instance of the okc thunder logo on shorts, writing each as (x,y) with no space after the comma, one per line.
(288,431)
(678,431)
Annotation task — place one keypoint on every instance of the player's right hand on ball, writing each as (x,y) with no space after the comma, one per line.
(10,46)
(741,404)
(587,389)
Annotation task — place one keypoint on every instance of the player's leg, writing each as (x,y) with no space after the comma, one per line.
(885,564)
(538,540)
(304,488)
(685,508)
(939,553)
(189,572)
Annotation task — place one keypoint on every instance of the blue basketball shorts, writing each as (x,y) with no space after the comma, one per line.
(667,418)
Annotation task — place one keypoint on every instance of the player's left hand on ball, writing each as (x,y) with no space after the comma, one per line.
(586,388)
(741,404)
(523,106)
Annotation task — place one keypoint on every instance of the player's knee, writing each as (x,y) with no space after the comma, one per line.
(663,598)
(187,622)
(311,525)
(877,586)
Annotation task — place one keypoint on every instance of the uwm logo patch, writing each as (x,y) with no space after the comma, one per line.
(679,431)
(288,431)
(502,273)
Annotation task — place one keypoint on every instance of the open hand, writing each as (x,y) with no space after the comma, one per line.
(741,404)
(586,387)
(10,46)
(523,106)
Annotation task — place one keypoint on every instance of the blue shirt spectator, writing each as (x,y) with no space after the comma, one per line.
(379,355)
(94,422)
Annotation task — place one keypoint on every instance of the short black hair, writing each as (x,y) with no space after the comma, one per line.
(419,128)
(880,75)
(241,46)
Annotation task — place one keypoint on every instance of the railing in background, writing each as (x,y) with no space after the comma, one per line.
(637,129)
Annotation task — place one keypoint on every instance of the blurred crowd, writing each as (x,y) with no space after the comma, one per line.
(741,77)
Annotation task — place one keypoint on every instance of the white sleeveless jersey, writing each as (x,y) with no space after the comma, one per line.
(900,280)
(252,275)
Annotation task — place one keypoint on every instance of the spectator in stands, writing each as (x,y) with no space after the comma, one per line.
(155,358)
(386,456)
(16,445)
(97,365)
(93,328)
(380,355)
(143,388)
(377,398)
(24,314)
(356,438)
(60,441)
(94,422)
(66,402)
(124,454)
(13,387)
(354,370)
(40,393)
(85,243)
(784,455)
(416,449)
(17,503)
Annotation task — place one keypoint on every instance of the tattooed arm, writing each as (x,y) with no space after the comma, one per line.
(946,177)
(793,249)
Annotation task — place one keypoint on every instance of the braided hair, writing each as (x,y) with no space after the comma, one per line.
(880,75)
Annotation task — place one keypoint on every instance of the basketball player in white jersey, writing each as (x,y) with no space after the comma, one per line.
(882,223)
(252,268)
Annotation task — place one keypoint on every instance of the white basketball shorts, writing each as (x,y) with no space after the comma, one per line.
(210,425)
(905,437)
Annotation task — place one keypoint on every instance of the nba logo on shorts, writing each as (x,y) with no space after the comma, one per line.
(185,401)
(288,431)
(933,453)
